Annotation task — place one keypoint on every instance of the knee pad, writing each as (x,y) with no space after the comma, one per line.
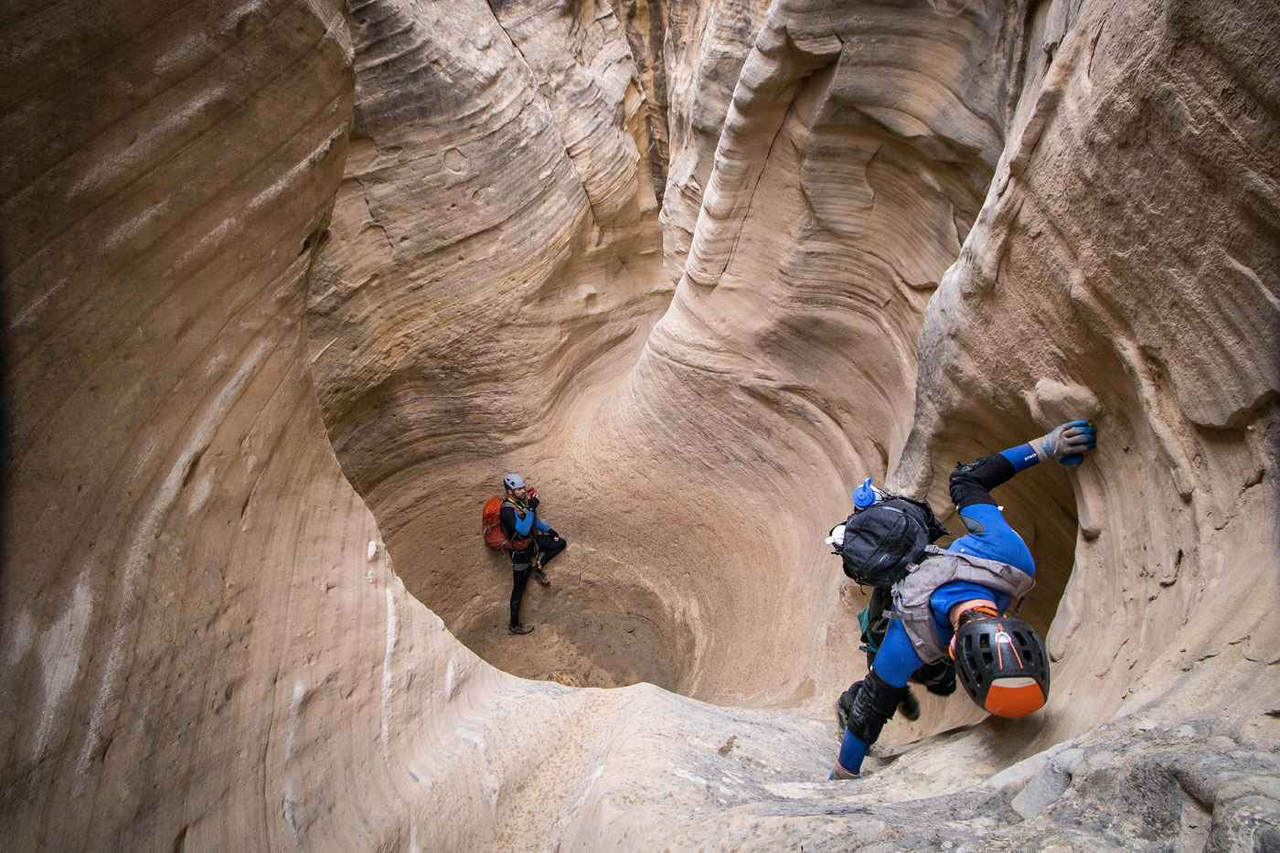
(873,705)
(844,705)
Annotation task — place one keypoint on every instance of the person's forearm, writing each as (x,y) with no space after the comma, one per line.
(1021,457)
(971,483)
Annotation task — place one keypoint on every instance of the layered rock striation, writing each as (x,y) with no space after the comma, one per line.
(288,286)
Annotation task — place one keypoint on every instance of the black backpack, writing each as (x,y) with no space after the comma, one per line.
(881,542)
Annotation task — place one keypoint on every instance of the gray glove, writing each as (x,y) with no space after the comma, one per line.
(1067,443)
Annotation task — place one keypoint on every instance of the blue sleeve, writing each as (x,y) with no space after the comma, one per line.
(543,527)
(1021,457)
(895,662)
(524,523)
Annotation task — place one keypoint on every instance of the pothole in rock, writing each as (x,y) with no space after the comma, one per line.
(587,633)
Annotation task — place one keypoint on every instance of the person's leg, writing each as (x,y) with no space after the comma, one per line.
(874,704)
(989,534)
(879,695)
(550,548)
(991,538)
(877,625)
(939,677)
(520,579)
(844,706)
(910,706)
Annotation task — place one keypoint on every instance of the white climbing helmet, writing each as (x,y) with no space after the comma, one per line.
(513,481)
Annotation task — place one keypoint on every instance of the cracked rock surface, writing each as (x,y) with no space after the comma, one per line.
(288,285)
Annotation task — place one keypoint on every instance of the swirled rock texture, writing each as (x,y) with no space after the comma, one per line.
(288,285)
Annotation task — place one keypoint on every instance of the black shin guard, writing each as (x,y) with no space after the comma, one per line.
(844,706)
(873,705)
(972,482)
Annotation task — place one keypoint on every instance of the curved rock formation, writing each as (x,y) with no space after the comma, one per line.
(290,284)
(1127,323)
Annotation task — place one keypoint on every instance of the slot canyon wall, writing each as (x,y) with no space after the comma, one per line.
(288,285)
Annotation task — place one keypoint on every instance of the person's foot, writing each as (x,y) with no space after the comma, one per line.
(839,774)
(520,629)
(541,577)
(910,706)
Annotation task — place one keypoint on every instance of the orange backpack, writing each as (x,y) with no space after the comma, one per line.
(491,527)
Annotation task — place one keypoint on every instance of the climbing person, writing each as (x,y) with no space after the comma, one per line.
(534,543)
(873,621)
(948,605)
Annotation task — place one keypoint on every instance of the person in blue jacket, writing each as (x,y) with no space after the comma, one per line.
(536,543)
(952,603)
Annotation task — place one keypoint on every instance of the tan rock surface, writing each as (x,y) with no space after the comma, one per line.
(289,285)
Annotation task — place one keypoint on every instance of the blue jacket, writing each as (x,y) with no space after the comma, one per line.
(518,522)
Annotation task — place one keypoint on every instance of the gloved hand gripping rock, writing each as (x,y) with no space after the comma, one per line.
(1067,443)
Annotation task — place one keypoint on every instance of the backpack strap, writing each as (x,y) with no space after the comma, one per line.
(518,544)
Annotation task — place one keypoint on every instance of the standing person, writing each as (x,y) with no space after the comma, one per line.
(535,543)
(951,603)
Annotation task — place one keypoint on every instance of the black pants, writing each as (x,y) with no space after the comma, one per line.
(545,545)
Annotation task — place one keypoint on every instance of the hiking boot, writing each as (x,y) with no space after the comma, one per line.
(520,629)
(541,577)
(910,706)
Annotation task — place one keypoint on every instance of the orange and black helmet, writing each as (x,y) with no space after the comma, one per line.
(1002,663)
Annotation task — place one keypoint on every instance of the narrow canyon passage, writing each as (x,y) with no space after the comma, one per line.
(694,438)
(289,284)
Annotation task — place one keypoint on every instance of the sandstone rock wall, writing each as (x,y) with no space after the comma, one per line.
(1131,231)
(796,317)
(204,643)
(832,210)
(259,254)
(170,170)
(493,266)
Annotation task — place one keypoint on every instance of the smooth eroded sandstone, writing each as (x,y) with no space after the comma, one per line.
(288,286)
